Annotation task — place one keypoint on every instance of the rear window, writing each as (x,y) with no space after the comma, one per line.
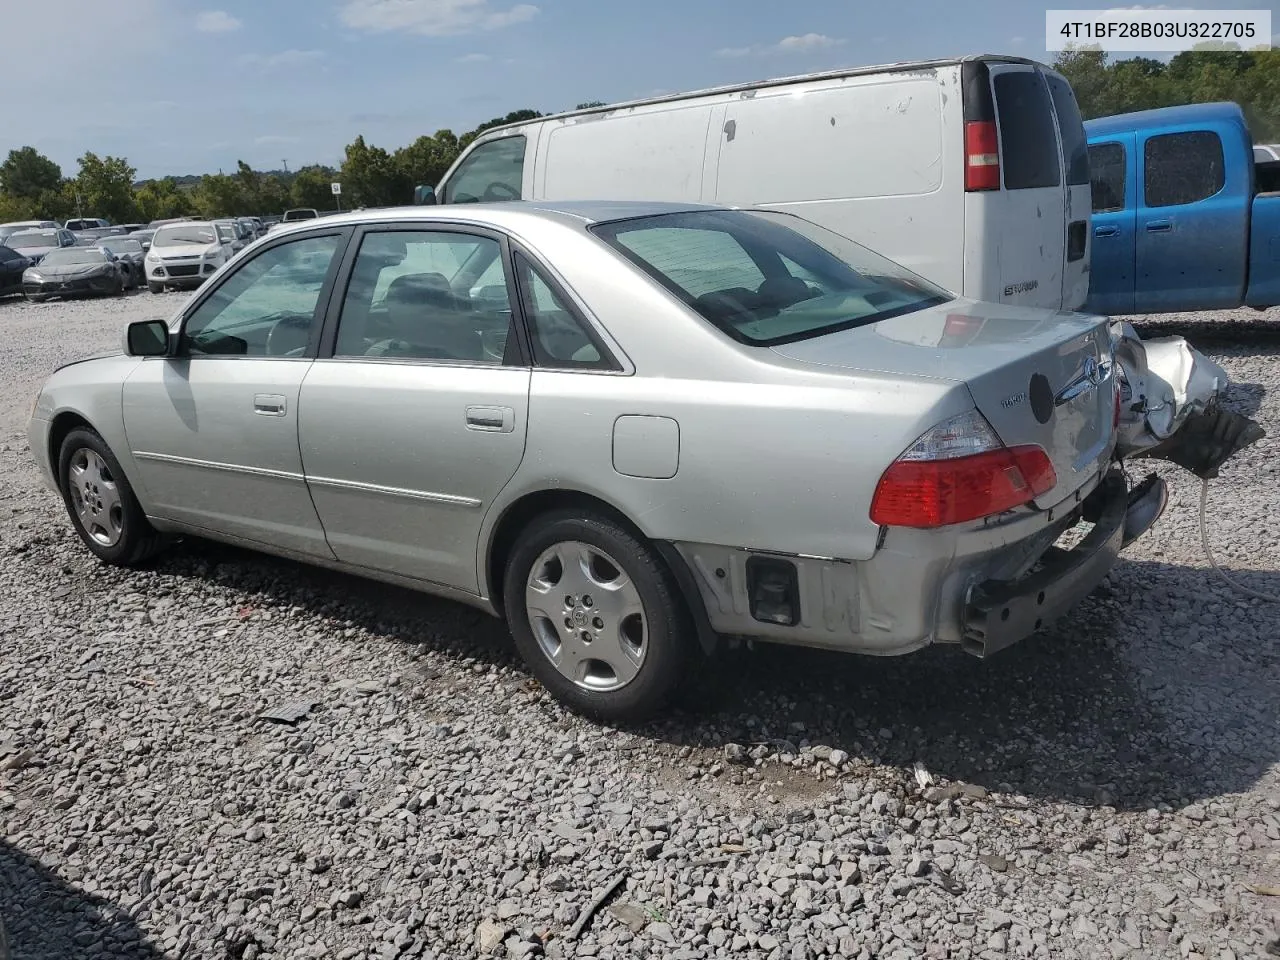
(1028,140)
(1183,168)
(1075,144)
(766,278)
(1106,181)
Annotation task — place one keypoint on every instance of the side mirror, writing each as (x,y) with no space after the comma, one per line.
(147,338)
(424,196)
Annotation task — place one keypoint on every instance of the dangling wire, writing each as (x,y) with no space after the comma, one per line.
(1208,552)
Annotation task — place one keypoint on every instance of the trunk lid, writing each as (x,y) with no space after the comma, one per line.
(1040,377)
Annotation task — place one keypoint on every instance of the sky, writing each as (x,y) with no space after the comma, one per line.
(192,86)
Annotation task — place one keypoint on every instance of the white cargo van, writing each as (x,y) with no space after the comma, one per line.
(973,172)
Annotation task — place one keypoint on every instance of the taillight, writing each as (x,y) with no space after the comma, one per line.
(959,471)
(981,156)
(959,328)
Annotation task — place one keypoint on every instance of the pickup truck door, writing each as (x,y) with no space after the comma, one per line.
(1112,171)
(1192,223)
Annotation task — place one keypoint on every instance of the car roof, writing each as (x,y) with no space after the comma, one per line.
(509,213)
(1165,117)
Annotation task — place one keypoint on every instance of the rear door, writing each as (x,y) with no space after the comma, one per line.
(1075,164)
(1113,172)
(1030,211)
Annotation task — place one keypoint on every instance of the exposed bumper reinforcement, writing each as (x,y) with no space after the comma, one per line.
(1000,613)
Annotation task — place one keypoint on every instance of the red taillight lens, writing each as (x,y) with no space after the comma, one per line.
(935,493)
(981,156)
(959,329)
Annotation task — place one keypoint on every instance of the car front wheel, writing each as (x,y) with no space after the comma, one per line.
(155,287)
(597,617)
(101,503)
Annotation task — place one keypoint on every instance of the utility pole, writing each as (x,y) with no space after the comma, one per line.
(286,165)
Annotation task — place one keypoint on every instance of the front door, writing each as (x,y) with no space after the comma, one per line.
(1111,169)
(413,426)
(214,429)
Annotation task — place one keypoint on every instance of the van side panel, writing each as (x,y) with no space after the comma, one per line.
(870,157)
(640,154)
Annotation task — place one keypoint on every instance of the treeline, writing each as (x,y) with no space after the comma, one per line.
(1250,78)
(33,187)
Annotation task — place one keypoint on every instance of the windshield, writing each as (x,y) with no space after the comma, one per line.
(768,278)
(122,247)
(33,238)
(184,235)
(73,255)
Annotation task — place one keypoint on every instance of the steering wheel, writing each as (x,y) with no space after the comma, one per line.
(289,336)
(495,191)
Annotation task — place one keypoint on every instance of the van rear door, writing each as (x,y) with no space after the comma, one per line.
(1028,213)
(1075,163)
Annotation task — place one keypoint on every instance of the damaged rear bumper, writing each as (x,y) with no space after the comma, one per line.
(999,613)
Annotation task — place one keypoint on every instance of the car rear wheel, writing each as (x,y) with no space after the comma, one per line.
(101,503)
(597,617)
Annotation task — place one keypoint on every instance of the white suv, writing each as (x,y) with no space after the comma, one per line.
(184,255)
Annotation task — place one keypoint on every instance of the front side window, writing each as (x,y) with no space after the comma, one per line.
(267,307)
(1183,168)
(1107,176)
(1028,138)
(492,172)
(428,295)
(767,278)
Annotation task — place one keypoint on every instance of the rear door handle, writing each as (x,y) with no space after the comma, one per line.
(491,419)
(1159,226)
(1106,230)
(268,404)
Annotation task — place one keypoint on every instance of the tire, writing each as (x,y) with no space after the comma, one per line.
(111,523)
(640,629)
(155,287)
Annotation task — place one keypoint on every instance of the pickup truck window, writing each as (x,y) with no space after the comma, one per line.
(1183,168)
(1106,168)
(1028,141)
(1071,127)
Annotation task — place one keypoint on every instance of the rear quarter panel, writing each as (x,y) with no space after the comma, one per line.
(1264,252)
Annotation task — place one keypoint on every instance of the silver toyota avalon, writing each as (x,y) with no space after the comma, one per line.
(628,429)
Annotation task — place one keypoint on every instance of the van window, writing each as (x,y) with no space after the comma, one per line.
(1183,168)
(1075,143)
(1106,167)
(493,171)
(1028,140)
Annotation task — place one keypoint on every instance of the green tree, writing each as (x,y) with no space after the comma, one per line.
(310,188)
(262,193)
(424,161)
(105,188)
(218,195)
(27,174)
(591,105)
(515,116)
(371,178)
(162,200)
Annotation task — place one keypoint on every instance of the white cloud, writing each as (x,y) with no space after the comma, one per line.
(474,58)
(217,21)
(285,58)
(803,43)
(433,18)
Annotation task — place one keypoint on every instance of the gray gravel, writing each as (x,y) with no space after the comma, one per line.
(1109,789)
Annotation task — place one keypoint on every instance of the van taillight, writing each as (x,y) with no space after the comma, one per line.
(981,156)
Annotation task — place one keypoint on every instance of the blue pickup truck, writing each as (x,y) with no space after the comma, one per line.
(1185,215)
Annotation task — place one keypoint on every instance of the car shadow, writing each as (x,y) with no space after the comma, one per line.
(1109,706)
(48,919)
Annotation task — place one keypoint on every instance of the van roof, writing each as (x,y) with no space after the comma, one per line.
(905,66)
(1165,117)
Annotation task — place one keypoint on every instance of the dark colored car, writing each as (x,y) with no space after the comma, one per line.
(76,271)
(12,265)
(130,254)
(132,227)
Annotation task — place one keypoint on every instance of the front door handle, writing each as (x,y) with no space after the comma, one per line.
(1106,230)
(491,419)
(1159,226)
(268,404)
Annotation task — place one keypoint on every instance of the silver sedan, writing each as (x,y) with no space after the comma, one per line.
(628,429)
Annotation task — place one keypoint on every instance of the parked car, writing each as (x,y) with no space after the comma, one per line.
(89,237)
(233,234)
(184,255)
(301,213)
(74,272)
(12,266)
(685,422)
(19,226)
(144,237)
(1179,220)
(972,172)
(89,223)
(36,243)
(131,255)
(132,227)
(157,224)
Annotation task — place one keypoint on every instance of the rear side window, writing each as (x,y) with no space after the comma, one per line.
(1028,140)
(1106,181)
(493,171)
(1183,168)
(1075,145)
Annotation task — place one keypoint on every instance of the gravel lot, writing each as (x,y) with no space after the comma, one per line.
(1109,789)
